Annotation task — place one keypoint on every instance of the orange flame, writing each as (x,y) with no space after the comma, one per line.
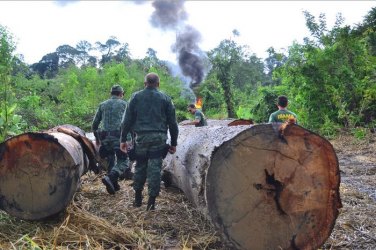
(198,103)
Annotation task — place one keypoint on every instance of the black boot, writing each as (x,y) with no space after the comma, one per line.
(151,203)
(126,175)
(116,185)
(166,178)
(137,199)
(111,182)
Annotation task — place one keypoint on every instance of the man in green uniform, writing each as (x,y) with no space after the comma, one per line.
(110,113)
(149,115)
(282,114)
(199,120)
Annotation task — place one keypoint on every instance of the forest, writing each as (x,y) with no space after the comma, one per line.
(330,80)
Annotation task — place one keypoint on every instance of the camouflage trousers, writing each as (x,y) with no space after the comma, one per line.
(148,163)
(117,160)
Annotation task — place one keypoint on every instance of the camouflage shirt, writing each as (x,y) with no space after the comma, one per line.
(201,117)
(110,113)
(150,110)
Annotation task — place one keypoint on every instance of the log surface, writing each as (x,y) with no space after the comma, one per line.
(39,173)
(224,122)
(262,187)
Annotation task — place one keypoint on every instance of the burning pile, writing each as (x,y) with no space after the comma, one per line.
(198,103)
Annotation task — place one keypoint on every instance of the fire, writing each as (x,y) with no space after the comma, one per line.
(198,103)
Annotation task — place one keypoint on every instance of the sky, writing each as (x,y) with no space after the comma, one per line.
(39,27)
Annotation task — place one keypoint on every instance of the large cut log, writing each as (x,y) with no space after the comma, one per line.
(263,186)
(225,122)
(40,172)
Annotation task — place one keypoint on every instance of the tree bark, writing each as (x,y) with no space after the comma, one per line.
(40,172)
(225,122)
(263,187)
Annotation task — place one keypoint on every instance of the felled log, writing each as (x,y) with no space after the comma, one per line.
(262,187)
(225,122)
(40,172)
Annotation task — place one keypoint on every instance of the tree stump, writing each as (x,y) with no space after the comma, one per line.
(263,187)
(40,172)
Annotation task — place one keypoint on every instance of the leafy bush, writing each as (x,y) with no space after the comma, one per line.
(243,113)
(359,133)
(329,129)
(10,123)
(265,103)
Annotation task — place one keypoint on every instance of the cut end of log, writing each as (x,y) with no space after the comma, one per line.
(39,174)
(239,122)
(274,189)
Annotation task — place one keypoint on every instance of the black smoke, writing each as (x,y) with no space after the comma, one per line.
(171,15)
(168,14)
(189,54)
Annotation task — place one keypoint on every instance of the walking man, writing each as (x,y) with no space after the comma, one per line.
(149,115)
(110,113)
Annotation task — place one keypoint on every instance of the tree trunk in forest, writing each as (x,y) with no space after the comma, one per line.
(269,186)
(227,92)
(40,172)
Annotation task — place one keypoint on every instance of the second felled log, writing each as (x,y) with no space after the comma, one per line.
(40,172)
(263,187)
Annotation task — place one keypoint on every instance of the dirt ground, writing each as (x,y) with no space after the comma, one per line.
(96,220)
(356,224)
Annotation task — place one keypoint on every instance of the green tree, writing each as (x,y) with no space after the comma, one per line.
(238,73)
(223,60)
(123,54)
(367,29)
(151,59)
(274,61)
(108,49)
(68,56)
(84,58)
(48,66)
(213,98)
(264,102)
(9,120)
(329,76)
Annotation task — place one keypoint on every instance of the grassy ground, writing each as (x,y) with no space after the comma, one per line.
(96,220)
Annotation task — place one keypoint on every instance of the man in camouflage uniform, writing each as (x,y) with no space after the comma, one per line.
(199,120)
(150,114)
(110,113)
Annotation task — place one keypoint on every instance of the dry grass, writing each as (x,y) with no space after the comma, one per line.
(96,220)
(356,224)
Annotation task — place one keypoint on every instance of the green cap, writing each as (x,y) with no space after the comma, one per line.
(117,88)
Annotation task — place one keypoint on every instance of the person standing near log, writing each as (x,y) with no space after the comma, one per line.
(149,115)
(199,120)
(110,113)
(282,114)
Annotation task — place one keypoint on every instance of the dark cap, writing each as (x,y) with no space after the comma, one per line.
(117,88)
